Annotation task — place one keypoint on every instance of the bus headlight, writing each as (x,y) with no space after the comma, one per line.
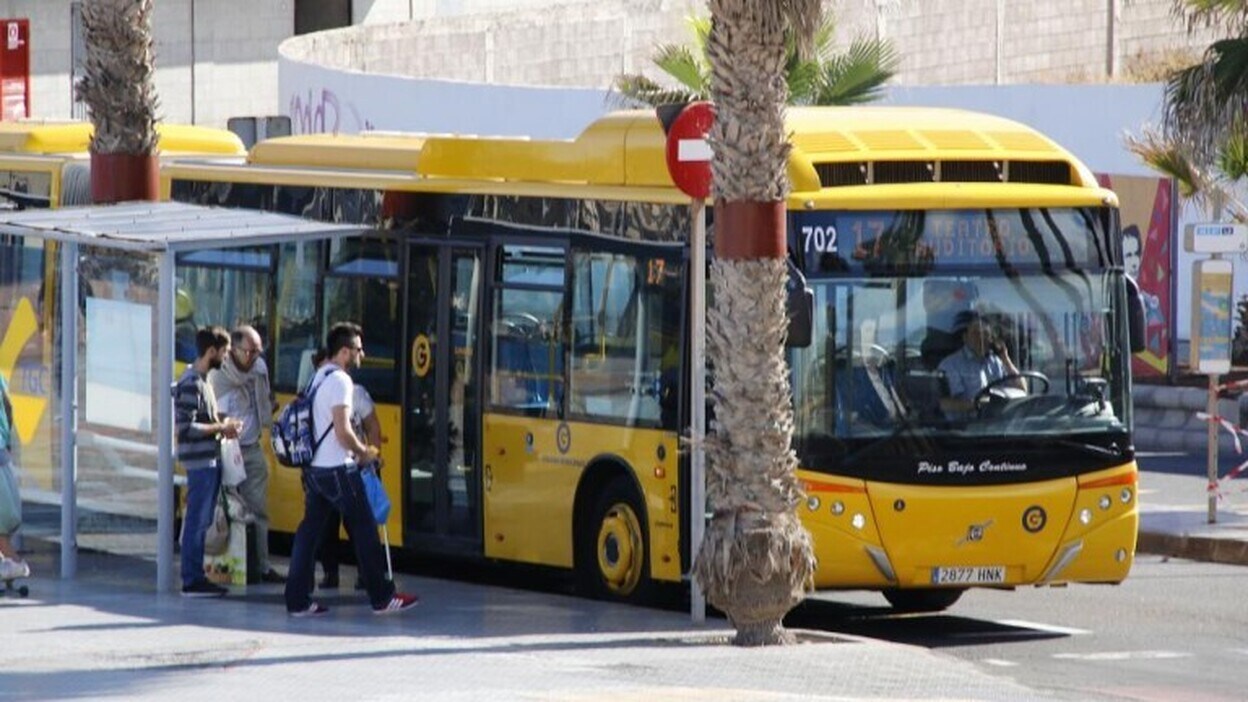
(1104,502)
(1125,496)
(812,503)
(858,521)
(838,507)
(1085,516)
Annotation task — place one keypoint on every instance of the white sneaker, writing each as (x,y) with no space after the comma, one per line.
(13,569)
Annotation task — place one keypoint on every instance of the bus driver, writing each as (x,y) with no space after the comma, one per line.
(980,361)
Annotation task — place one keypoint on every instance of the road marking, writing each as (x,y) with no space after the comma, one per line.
(1123,655)
(999,662)
(1051,628)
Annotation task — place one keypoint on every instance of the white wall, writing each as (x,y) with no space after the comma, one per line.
(323,100)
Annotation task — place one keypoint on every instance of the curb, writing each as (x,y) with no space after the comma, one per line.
(1196,548)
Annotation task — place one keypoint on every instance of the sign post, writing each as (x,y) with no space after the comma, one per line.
(689,162)
(1212,285)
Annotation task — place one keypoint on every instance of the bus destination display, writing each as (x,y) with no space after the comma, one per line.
(910,239)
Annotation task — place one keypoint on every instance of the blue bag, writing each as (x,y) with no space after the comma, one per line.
(378,500)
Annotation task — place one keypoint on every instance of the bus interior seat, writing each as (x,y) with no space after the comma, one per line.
(923,390)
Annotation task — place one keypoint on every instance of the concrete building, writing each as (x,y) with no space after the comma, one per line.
(219,58)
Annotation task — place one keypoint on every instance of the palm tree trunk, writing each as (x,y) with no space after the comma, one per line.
(121,99)
(756,559)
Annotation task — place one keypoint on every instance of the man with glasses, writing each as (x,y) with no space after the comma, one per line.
(333,482)
(243,392)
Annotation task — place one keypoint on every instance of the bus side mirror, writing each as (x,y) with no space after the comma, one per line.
(1135,315)
(801,309)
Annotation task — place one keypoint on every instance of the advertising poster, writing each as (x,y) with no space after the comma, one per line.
(1211,316)
(119,364)
(1147,216)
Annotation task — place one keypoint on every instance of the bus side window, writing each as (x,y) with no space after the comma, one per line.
(527,372)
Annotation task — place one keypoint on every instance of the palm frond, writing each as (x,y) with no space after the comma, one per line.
(634,90)
(1207,102)
(688,68)
(1229,15)
(858,75)
(1233,161)
(1196,185)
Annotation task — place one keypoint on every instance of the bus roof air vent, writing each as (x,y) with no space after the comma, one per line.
(832,175)
(971,172)
(904,172)
(1049,172)
(835,175)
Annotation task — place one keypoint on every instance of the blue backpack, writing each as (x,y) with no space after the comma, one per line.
(293,431)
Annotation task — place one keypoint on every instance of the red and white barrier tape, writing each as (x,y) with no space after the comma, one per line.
(1227,425)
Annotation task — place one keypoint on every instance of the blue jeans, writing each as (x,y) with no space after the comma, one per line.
(202,488)
(326,490)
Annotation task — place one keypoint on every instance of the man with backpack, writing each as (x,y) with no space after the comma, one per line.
(332,481)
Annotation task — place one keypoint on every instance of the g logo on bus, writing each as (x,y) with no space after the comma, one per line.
(563,437)
(422,355)
(1034,518)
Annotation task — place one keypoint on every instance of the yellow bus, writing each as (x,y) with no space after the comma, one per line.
(46,164)
(527,344)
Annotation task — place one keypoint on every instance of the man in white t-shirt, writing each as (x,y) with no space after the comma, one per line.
(333,482)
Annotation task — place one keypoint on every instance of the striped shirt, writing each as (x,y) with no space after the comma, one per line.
(194,410)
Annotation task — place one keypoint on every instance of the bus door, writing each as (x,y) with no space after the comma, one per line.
(443,416)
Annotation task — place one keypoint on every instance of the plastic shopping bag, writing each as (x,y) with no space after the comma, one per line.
(233,469)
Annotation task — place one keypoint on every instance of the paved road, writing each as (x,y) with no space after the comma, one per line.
(1175,630)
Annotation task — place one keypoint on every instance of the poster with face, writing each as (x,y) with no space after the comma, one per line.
(1147,216)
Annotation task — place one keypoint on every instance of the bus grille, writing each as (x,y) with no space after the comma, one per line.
(835,175)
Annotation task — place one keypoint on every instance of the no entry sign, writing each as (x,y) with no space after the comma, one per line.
(688,153)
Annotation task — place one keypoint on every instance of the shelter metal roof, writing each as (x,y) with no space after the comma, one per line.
(166,226)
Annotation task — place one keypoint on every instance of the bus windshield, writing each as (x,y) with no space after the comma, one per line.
(963,329)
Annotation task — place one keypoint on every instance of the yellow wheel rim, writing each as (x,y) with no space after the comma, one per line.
(620,550)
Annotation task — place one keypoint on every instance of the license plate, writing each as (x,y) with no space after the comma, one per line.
(968,575)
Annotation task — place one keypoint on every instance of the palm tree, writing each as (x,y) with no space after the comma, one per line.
(121,99)
(756,559)
(820,77)
(1206,105)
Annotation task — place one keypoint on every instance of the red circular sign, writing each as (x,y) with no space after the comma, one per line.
(688,153)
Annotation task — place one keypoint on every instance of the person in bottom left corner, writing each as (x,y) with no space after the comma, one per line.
(199,431)
(11,567)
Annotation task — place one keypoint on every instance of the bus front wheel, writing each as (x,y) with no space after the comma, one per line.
(612,562)
(930,600)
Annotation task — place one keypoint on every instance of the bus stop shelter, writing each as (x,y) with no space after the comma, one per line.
(149,236)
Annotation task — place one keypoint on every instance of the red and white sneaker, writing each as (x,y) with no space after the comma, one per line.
(398,603)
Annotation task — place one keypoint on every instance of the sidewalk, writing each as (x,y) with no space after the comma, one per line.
(107,635)
(1174,511)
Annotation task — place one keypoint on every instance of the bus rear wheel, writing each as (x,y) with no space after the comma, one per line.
(612,562)
(929,600)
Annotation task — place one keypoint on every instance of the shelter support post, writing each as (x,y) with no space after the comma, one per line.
(69,410)
(164,424)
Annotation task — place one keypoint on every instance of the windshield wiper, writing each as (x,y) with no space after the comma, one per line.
(1087,448)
